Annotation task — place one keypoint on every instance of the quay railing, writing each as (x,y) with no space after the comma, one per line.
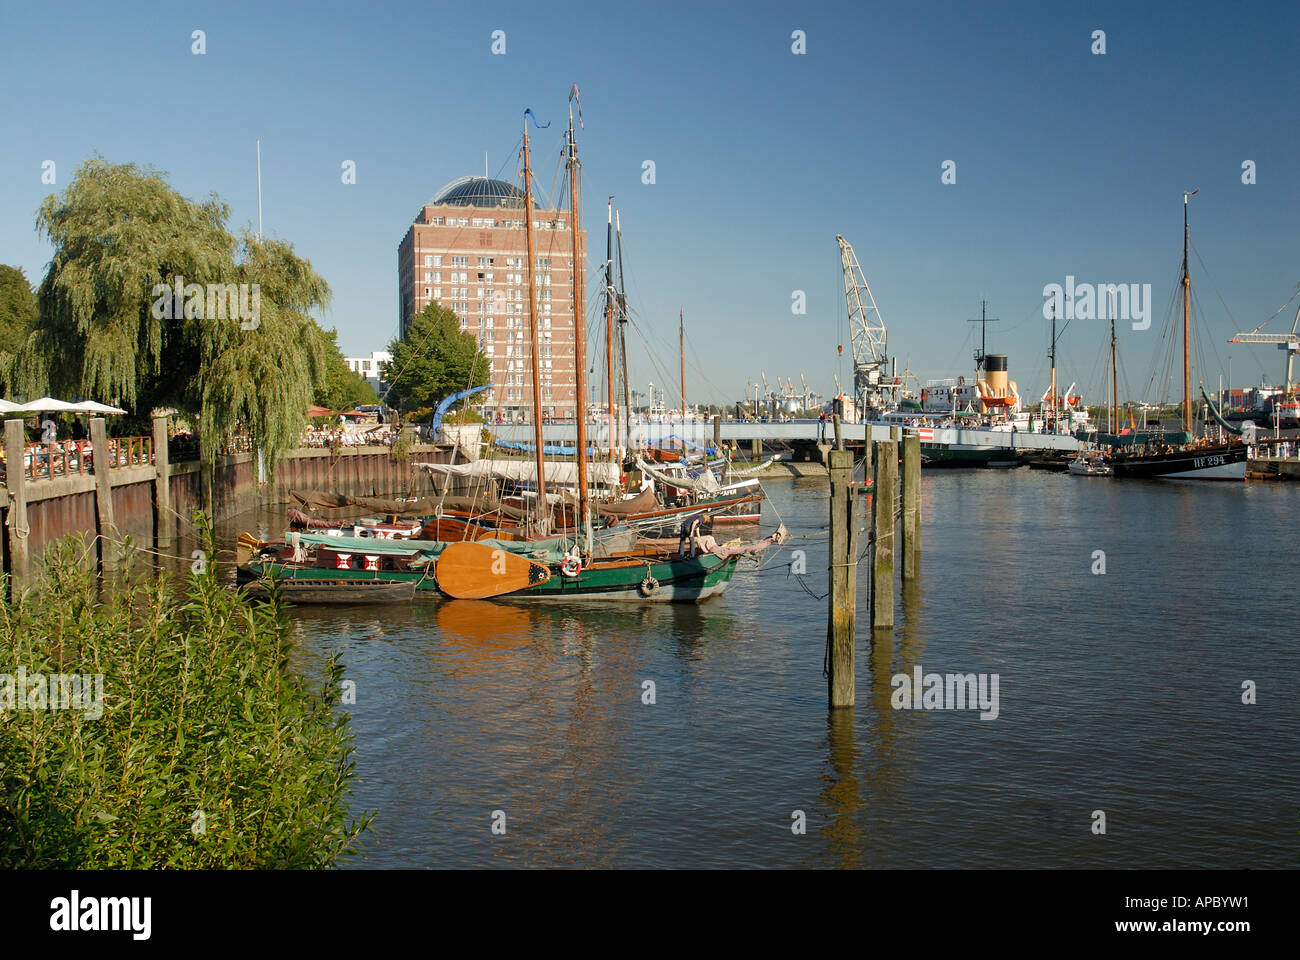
(71,458)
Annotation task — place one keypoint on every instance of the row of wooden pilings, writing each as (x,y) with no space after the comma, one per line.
(109,539)
(893,519)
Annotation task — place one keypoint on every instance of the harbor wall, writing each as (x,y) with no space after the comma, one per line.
(64,505)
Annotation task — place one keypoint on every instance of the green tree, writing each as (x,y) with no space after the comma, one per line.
(433,361)
(118,231)
(17,314)
(340,388)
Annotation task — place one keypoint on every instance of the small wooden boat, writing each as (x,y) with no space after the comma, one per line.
(337,590)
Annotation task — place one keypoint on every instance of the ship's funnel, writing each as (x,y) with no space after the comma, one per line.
(995,373)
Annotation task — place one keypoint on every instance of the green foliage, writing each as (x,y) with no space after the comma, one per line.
(200,714)
(433,361)
(341,388)
(17,314)
(117,231)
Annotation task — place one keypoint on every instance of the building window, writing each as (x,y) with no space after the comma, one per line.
(428,260)
(428,292)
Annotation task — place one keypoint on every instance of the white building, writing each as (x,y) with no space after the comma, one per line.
(371,367)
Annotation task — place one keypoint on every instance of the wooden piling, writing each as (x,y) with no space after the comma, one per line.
(163,519)
(912,507)
(843,596)
(717,433)
(757,448)
(882,547)
(109,550)
(839,435)
(20,561)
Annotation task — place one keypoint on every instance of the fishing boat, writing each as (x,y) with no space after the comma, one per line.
(1202,459)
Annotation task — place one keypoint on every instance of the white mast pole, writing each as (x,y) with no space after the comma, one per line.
(259,189)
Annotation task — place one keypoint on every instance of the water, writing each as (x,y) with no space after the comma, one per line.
(1119,692)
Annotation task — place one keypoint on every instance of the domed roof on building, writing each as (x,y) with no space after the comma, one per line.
(479,192)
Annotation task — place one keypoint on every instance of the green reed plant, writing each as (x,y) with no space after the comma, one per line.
(210,752)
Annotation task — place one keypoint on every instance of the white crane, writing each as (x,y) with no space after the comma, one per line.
(1290,342)
(871,375)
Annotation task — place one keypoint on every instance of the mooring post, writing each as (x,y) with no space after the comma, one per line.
(109,550)
(843,597)
(893,434)
(162,491)
(717,433)
(912,507)
(882,545)
(866,455)
(757,448)
(20,564)
(839,435)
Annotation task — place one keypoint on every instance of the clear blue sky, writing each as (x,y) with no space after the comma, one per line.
(1068,163)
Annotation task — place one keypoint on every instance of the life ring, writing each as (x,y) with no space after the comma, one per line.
(571,566)
(364,532)
(649,586)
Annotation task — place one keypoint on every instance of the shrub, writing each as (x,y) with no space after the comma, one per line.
(209,753)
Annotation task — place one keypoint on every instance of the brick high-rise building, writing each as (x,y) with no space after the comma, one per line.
(466,250)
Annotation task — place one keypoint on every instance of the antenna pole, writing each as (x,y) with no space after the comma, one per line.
(259,189)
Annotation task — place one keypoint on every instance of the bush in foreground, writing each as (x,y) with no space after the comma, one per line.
(207,751)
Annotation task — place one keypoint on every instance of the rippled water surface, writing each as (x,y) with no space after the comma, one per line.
(1119,692)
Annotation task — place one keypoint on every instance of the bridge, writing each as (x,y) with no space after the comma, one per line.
(783,435)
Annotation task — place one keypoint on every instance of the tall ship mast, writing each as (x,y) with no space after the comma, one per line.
(1199,459)
(543,513)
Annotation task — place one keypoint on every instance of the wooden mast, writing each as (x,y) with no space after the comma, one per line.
(609,326)
(1114,372)
(1055,415)
(622,327)
(579,327)
(543,514)
(1187,326)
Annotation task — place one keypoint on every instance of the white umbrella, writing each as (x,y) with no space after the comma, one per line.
(49,405)
(8,406)
(91,406)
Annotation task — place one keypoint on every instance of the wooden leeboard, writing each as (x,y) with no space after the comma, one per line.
(474,571)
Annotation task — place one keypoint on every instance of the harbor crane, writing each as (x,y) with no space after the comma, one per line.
(1290,342)
(874,383)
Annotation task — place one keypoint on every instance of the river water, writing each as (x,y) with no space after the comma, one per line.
(1119,692)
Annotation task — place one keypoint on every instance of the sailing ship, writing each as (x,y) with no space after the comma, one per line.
(1199,460)
(538,548)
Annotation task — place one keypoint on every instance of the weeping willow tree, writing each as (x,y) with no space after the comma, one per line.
(121,234)
(263,379)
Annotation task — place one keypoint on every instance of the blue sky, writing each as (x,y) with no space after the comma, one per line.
(1067,163)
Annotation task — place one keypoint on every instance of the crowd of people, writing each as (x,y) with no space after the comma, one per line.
(336,436)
